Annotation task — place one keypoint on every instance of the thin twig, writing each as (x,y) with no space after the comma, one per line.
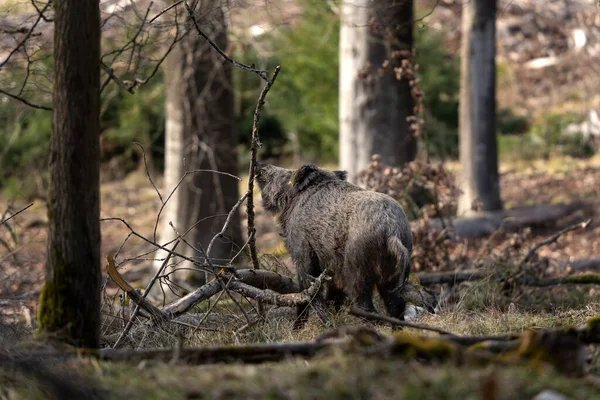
(25,101)
(261,73)
(15,214)
(553,239)
(177,186)
(165,10)
(227,222)
(27,36)
(155,244)
(40,12)
(111,74)
(148,171)
(394,321)
(148,287)
(205,316)
(217,276)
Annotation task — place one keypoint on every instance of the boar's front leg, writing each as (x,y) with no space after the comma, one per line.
(307,266)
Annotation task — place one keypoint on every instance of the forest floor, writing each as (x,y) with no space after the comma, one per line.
(337,375)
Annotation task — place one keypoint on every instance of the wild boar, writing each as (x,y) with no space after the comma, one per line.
(362,236)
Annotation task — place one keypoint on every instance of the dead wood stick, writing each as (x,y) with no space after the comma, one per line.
(156,314)
(553,239)
(183,304)
(269,296)
(460,340)
(384,318)
(260,279)
(289,300)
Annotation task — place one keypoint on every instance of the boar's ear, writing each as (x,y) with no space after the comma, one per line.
(342,175)
(304,176)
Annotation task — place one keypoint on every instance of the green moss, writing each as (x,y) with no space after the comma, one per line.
(61,316)
(593,327)
(414,278)
(430,348)
(50,305)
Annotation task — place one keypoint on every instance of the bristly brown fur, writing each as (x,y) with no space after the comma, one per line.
(362,236)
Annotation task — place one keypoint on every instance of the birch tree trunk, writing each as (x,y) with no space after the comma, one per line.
(69,306)
(477,115)
(374,108)
(200,135)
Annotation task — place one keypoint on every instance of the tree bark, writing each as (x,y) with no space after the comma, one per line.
(70,300)
(478,148)
(374,107)
(200,135)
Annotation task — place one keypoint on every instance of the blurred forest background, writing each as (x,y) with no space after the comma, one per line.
(546,84)
(519,254)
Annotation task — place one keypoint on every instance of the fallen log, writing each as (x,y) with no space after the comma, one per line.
(255,353)
(584,265)
(454,277)
(485,223)
(440,278)
(563,348)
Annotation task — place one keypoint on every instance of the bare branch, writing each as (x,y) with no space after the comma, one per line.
(3,221)
(25,101)
(41,12)
(261,73)
(252,171)
(553,238)
(111,74)
(177,186)
(227,222)
(165,10)
(27,36)
(148,172)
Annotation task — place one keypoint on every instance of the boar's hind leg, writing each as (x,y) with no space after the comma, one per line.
(336,296)
(394,303)
(358,277)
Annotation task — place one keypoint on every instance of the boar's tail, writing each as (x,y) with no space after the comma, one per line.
(402,256)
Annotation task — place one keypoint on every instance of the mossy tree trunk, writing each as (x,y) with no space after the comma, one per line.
(374,107)
(477,115)
(69,306)
(200,132)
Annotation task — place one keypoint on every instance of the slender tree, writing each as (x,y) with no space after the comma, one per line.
(374,106)
(69,305)
(477,115)
(200,135)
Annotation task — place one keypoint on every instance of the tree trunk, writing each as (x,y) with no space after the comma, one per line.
(374,108)
(70,300)
(478,148)
(200,132)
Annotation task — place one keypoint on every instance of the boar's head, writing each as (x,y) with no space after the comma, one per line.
(279,185)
